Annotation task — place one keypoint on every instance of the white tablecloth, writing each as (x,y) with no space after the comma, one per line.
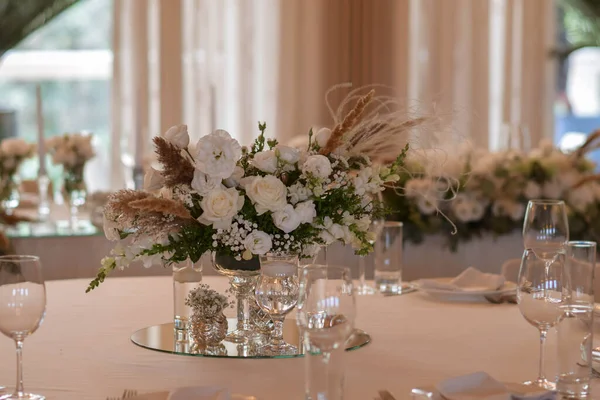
(83,351)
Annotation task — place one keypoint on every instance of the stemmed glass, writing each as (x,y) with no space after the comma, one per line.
(22,308)
(540,298)
(546,228)
(277,293)
(326,313)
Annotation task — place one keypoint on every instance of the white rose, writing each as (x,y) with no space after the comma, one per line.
(322,136)
(337,231)
(110,229)
(235,178)
(258,242)
(288,154)
(317,165)
(178,136)
(266,161)
(217,154)
(286,219)
(326,237)
(306,212)
(153,180)
(532,190)
(267,193)
(220,206)
(203,184)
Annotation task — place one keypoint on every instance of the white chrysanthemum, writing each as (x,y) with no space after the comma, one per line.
(217,154)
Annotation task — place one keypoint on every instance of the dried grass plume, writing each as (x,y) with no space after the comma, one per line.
(177,169)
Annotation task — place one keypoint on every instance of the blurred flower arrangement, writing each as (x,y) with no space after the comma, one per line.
(218,196)
(13,152)
(478,192)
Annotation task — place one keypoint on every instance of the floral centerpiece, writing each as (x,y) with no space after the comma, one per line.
(72,151)
(489,192)
(13,152)
(221,197)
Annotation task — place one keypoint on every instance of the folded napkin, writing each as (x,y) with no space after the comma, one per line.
(470,279)
(199,393)
(480,385)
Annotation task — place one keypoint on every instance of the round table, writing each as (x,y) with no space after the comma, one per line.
(83,348)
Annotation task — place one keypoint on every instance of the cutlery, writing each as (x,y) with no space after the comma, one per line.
(127,394)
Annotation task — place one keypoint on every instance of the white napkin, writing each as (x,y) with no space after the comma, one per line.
(470,279)
(480,385)
(199,393)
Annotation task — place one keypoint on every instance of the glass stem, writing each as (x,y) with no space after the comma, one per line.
(277,334)
(541,374)
(19,386)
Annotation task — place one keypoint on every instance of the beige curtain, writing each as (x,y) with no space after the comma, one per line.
(480,65)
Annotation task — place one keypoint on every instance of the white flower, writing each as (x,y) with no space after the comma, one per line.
(217,154)
(235,178)
(178,136)
(298,192)
(317,165)
(220,206)
(287,154)
(581,197)
(111,230)
(512,209)
(306,212)
(266,161)
(552,189)
(153,180)
(427,205)
(258,242)
(286,219)
(532,190)
(203,184)
(267,193)
(322,136)
(327,237)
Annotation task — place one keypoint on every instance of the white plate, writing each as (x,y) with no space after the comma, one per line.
(165,395)
(473,294)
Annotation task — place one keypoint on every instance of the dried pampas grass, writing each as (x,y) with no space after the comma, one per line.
(118,206)
(161,206)
(177,169)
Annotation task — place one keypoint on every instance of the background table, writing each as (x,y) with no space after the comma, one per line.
(83,351)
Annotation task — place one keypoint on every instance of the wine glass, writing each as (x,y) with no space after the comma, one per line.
(277,293)
(22,308)
(326,312)
(540,299)
(546,228)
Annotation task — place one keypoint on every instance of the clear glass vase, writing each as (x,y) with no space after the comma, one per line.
(9,194)
(242,280)
(75,193)
(186,277)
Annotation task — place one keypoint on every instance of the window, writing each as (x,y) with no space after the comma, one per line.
(577,107)
(71,59)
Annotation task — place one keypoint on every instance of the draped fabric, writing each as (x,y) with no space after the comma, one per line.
(479,65)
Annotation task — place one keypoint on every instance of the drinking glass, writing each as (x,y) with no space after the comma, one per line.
(325,317)
(277,293)
(388,260)
(575,330)
(546,228)
(540,299)
(375,228)
(22,308)
(187,275)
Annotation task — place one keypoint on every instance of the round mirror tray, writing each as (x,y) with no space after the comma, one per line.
(165,339)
